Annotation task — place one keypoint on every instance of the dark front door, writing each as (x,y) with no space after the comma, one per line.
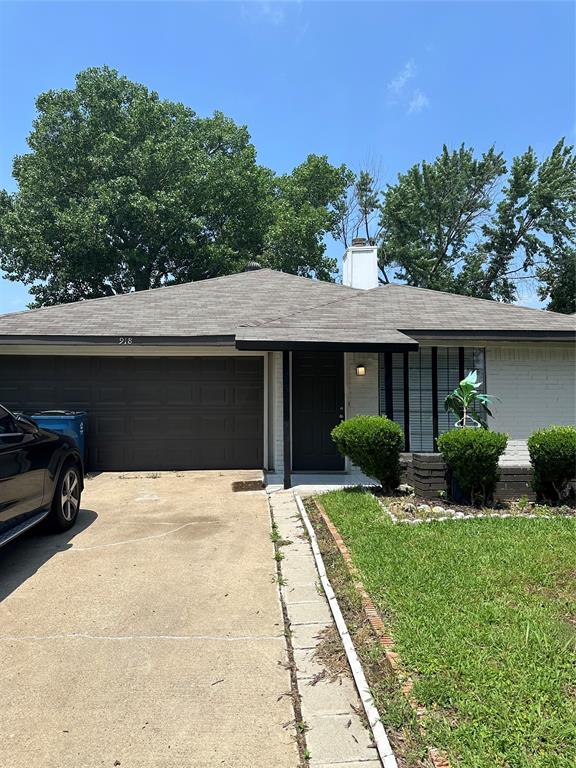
(317,406)
(156,413)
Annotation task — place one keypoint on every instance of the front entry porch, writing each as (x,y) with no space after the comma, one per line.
(318,387)
(321,388)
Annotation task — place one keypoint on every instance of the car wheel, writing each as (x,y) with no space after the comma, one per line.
(66,501)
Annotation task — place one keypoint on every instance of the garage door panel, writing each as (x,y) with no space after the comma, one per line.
(246,394)
(216,395)
(148,425)
(11,394)
(77,396)
(214,454)
(247,425)
(112,456)
(109,426)
(215,367)
(42,393)
(239,451)
(180,425)
(110,396)
(150,413)
(179,394)
(243,367)
(146,393)
(211,425)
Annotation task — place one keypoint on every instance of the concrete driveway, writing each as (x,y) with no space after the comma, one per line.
(149,635)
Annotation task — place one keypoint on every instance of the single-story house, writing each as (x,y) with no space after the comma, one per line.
(253,370)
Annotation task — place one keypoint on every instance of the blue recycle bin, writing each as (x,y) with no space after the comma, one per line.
(71,423)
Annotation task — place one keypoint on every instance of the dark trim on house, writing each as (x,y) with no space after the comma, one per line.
(388,403)
(478,333)
(286,426)
(406,384)
(115,341)
(461,373)
(339,346)
(435,395)
(264,345)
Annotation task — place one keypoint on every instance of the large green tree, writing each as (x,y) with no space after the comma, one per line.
(468,225)
(558,282)
(122,191)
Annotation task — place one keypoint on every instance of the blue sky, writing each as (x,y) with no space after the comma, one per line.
(385,82)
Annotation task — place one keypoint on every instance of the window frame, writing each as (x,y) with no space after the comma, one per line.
(396,392)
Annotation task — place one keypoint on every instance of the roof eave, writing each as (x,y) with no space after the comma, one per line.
(501,335)
(327,346)
(193,341)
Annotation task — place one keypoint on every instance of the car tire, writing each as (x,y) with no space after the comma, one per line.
(66,501)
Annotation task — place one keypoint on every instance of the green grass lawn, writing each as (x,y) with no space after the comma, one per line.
(483,613)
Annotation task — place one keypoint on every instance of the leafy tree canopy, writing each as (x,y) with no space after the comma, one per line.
(558,282)
(467,224)
(125,191)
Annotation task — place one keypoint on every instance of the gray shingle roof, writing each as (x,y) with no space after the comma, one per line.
(268,307)
(422,312)
(205,308)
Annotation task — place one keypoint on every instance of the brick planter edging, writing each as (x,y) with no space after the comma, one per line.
(429,478)
(385,639)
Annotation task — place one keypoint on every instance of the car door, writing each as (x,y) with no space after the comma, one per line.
(22,470)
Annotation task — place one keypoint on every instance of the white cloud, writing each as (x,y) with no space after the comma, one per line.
(418,102)
(398,83)
(261,11)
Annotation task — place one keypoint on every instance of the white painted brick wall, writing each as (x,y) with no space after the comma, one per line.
(275,418)
(361,391)
(535,384)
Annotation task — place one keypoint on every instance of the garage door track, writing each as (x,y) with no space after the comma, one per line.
(150,635)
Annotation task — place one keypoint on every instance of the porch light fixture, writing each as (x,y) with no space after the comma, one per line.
(360,370)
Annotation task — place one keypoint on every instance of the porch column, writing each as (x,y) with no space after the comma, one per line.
(406,385)
(286,418)
(434,397)
(388,401)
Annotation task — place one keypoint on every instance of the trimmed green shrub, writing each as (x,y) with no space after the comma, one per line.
(373,443)
(472,456)
(553,456)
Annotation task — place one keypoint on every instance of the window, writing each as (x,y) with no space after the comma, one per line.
(6,422)
(424,409)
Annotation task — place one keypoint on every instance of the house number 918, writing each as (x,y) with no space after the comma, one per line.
(125,340)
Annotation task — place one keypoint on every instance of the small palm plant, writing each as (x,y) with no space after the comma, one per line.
(470,406)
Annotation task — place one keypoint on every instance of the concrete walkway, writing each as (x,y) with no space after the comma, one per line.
(149,636)
(336,736)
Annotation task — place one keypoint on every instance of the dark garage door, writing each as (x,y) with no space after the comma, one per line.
(150,413)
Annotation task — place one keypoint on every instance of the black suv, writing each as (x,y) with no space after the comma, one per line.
(41,476)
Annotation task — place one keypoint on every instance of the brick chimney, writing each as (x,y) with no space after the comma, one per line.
(360,264)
